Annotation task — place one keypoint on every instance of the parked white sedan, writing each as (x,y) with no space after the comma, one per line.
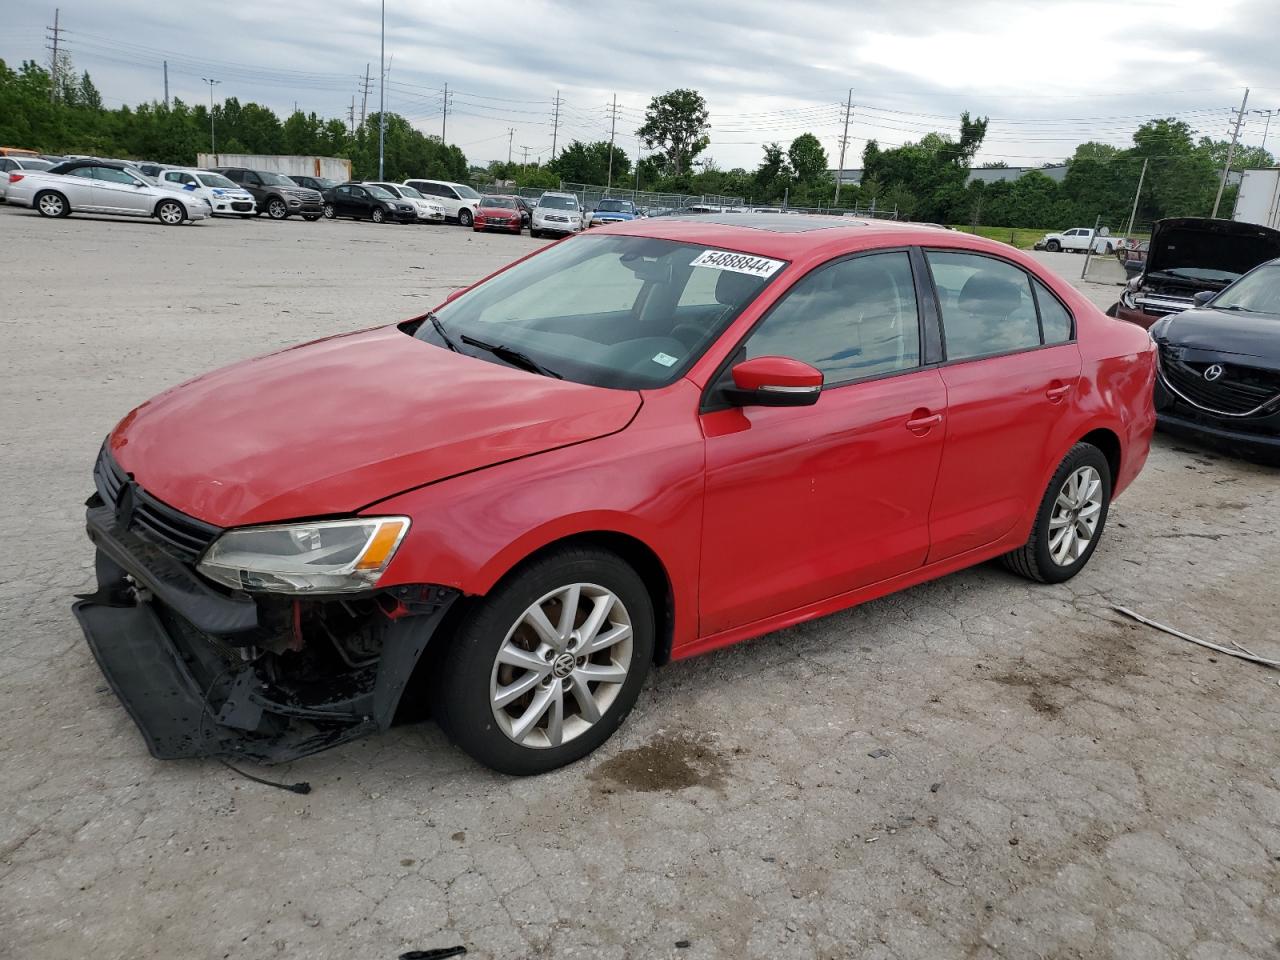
(430,210)
(226,198)
(102,186)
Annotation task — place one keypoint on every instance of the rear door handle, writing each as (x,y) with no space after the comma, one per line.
(1057,393)
(924,423)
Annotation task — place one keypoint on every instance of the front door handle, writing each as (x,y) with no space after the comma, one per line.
(923,421)
(1056,392)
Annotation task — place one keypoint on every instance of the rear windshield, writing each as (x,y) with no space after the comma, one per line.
(26,164)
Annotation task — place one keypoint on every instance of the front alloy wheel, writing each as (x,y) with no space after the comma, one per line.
(553,679)
(170,213)
(378,215)
(546,667)
(276,209)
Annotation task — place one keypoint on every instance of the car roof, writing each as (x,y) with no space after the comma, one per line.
(790,236)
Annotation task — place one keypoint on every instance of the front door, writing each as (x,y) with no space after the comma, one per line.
(120,192)
(1008,383)
(804,503)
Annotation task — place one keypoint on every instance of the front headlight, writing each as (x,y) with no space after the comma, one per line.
(330,556)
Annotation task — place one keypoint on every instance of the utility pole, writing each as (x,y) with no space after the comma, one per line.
(351,116)
(1138,193)
(1266,127)
(444,120)
(525,162)
(613,123)
(364,101)
(166,84)
(382,90)
(844,142)
(511,132)
(555,126)
(637,165)
(1231,152)
(55,68)
(213,148)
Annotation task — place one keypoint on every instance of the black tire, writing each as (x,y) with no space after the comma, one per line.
(50,203)
(464,217)
(1033,559)
(534,234)
(462,695)
(378,216)
(1053,246)
(277,209)
(170,212)
(330,211)
(247,216)
(311,217)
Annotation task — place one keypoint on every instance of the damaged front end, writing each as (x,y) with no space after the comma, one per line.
(210,671)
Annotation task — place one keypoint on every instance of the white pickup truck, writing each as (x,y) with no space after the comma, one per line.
(1078,240)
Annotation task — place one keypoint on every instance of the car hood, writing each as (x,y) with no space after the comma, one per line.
(331,426)
(1210,245)
(1254,335)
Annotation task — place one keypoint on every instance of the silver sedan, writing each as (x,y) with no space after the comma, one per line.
(101,186)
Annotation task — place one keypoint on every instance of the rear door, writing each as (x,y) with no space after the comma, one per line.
(805,503)
(1012,366)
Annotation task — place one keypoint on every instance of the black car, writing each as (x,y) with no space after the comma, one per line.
(277,195)
(526,211)
(322,185)
(1218,374)
(364,201)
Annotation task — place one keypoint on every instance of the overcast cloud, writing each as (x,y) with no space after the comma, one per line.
(1050,75)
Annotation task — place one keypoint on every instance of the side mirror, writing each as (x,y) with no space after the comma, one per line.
(774,382)
(1204,296)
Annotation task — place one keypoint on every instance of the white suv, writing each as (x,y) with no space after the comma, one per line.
(459,200)
(556,213)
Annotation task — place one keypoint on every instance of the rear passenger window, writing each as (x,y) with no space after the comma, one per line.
(1054,319)
(987,305)
(852,319)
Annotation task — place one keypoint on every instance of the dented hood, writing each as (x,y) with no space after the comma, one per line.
(332,426)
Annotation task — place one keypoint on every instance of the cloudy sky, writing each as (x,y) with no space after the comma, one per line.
(1049,75)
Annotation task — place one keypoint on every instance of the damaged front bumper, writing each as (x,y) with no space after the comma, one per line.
(204,672)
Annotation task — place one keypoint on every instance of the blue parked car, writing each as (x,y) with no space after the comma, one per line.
(613,211)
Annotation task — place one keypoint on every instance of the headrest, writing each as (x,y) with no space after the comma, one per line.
(991,293)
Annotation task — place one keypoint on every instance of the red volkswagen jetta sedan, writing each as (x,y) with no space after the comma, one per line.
(630,447)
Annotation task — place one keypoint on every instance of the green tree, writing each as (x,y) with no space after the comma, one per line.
(773,175)
(808,159)
(589,163)
(676,123)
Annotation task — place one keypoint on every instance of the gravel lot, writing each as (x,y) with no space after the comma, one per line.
(974,768)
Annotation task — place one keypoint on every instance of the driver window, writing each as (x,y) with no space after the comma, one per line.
(851,319)
(113,175)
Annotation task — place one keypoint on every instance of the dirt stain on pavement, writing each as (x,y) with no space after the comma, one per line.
(670,762)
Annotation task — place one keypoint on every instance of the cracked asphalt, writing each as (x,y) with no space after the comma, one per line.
(976,768)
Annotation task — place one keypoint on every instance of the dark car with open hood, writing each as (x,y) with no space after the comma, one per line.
(1188,256)
(1219,366)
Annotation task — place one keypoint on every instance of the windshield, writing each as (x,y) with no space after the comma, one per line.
(466,192)
(1257,292)
(505,203)
(614,206)
(215,180)
(558,203)
(380,192)
(275,179)
(623,312)
(409,192)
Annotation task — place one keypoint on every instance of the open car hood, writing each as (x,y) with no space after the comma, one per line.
(1196,242)
(332,426)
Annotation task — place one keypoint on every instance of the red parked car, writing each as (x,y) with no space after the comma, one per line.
(498,213)
(630,447)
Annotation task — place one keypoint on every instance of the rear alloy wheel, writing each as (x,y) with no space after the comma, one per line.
(547,667)
(276,209)
(52,205)
(378,216)
(464,217)
(171,213)
(1070,520)
(329,212)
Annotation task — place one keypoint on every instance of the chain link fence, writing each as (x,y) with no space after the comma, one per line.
(589,195)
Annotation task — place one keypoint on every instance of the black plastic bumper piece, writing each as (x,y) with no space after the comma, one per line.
(169,579)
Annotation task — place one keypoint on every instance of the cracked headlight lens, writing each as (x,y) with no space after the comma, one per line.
(331,556)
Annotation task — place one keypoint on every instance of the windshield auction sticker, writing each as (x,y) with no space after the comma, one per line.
(737,263)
